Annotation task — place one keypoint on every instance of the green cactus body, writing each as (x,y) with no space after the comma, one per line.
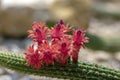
(82,70)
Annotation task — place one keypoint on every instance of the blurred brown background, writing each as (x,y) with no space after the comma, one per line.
(100,18)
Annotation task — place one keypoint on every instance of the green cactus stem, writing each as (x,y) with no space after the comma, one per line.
(80,71)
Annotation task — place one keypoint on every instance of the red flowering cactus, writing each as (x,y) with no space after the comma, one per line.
(54,45)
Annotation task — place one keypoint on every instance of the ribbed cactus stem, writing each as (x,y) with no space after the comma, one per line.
(80,71)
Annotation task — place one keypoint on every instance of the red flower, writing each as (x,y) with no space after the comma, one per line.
(33,57)
(49,53)
(39,32)
(64,51)
(48,58)
(78,40)
(59,30)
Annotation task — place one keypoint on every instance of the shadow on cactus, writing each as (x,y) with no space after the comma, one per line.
(54,53)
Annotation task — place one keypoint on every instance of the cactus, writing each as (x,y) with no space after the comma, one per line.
(58,57)
(72,71)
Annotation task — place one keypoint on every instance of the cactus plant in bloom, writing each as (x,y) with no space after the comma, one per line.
(54,45)
(54,53)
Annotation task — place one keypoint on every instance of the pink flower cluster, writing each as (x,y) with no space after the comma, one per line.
(54,44)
